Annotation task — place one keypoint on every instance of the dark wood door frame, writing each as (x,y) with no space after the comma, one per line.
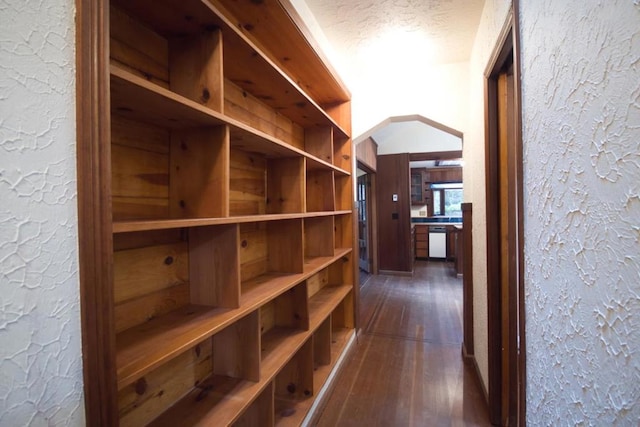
(467,281)
(368,204)
(94,228)
(373,216)
(506,342)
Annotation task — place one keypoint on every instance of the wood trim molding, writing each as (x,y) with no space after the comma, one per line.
(506,51)
(467,279)
(94,228)
(408,118)
(436,155)
(503,46)
(521,359)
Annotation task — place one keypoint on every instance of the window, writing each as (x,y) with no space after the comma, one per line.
(447,199)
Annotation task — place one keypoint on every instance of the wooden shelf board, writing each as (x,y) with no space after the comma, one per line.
(321,373)
(313,265)
(244,64)
(226,398)
(291,412)
(324,302)
(136,98)
(264,288)
(144,347)
(278,346)
(314,164)
(290,45)
(216,401)
(164,224)
(246,138)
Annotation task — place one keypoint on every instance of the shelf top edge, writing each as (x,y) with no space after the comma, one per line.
(165,224)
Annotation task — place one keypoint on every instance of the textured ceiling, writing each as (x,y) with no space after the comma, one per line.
(447,27)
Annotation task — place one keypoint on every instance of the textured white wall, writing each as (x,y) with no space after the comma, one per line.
(493,19)
(393,76)
(581,113)
(40,348)
(383,89)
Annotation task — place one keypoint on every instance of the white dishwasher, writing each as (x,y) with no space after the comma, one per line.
(437,242)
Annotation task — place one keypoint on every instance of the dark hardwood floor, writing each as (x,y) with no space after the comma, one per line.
(406,368)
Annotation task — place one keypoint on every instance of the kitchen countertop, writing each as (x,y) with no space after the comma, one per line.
(442,221)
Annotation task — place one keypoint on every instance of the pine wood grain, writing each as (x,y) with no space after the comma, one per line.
(129,226)
(214,266)
(145,270)
(320,191)
(138,47)
(286,185)
(319,239)
(144,347)
(246,108)
(199,170)
(318,141)
(260,413)
(196,68)
(144,400)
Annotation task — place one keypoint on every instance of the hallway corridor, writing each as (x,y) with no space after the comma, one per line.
(406,368)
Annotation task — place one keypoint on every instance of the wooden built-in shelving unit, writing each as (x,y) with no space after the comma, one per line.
(231,211)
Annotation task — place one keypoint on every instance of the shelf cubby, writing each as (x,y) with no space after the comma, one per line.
(343,193)
(142,401)
(322,355)
(343,230)
(234,368)
(322,346)
(294,387)
(269,251)
(187,60)
(320,194)
(342,317)
(319,238)
(263,185)
(260,412)
(158,173)
(318,141)
(284,323)
(171,289)
(342,153)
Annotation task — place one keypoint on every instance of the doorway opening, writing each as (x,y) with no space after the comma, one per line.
(505,283)
(365,206)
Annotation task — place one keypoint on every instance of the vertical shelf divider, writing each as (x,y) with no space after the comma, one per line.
(215,266)
(236,349)
(196,68)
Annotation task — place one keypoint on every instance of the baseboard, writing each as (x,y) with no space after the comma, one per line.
(396,273)
(324,392)
(471,358)
(465,353)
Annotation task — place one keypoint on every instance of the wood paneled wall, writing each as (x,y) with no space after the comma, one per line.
(394,218)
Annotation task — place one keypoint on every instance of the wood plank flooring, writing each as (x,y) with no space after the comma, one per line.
(406,368)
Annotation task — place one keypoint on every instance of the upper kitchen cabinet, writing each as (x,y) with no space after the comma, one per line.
(419,187)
